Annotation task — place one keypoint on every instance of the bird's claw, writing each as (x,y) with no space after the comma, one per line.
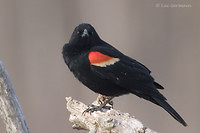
(93,108)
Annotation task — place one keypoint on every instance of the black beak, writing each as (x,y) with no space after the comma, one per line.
(85,33)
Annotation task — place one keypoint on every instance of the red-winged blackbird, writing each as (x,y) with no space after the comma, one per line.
(105,70)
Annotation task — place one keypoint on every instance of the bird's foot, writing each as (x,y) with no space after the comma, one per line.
(93,108)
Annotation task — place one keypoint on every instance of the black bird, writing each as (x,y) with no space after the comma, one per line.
(105,70)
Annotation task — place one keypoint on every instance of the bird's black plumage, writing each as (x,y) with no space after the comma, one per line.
(107,71)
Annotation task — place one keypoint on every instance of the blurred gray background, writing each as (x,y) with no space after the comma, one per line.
(164,38)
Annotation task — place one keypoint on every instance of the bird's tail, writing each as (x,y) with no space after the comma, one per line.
(170,110)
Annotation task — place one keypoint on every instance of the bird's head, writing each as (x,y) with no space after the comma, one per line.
(84,35)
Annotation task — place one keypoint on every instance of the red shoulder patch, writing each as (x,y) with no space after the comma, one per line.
(102,60)
(97,57)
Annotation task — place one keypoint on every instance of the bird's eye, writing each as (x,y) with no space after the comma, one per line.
(78,32)
(91,33)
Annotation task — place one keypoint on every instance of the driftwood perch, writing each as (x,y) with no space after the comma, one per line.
(10,110)
(105,121)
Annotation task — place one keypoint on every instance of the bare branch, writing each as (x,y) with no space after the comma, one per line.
(10,110)
(105,121)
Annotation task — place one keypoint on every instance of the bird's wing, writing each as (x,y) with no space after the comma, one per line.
(110,64)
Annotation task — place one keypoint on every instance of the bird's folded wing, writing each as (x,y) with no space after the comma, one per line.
(121,70)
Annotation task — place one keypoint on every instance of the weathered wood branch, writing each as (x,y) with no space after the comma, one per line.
(10,110)
(105,121)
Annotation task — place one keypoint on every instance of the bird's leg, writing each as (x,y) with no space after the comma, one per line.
(93,108)
(107,101)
